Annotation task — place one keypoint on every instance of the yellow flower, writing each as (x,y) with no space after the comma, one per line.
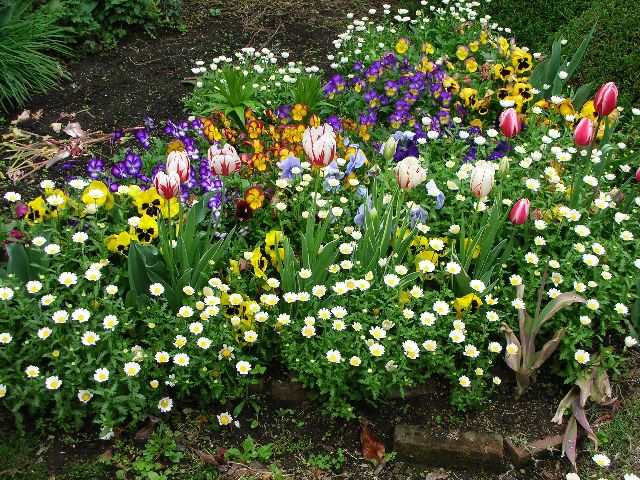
(427,48)
(175,146)
(145,231)
(273,243)
(471,65)
(118,243)
(402,46)
(37,208)
(149,203)
(462,52)
(520,60)
(299,111)
(259,263)
(254,197)
(427,255)
(462,303)
(97,193)
(469,96)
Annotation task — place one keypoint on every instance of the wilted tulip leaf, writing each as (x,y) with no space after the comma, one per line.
(372,448)
(217,459)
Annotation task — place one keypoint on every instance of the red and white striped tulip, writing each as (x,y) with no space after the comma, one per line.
(520,212)
(483,178)
(583,134)
(410,173)
(223,161)
(319,145)
(179,162)
(606,99)
(510,123)
(167,184)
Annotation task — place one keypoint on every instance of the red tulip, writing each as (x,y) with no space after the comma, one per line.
(583,133)
(167,184)
(510,123)
(606,98)
(520,212)
(638,175)
(179,163)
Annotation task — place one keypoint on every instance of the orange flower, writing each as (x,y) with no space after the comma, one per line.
(254,197)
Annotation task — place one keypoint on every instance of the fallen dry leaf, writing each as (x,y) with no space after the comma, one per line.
(107,454)
(217,459)
(439,474)
(372,448)
(145,432)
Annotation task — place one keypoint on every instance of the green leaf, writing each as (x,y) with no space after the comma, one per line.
(18,264)
(577,57)
(581,95)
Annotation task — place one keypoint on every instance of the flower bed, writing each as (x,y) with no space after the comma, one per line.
(444,202)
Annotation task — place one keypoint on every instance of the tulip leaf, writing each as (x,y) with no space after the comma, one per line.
(581,95)
(18,263)
(582,49)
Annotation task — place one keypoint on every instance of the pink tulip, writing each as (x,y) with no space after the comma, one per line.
(583,133)
(319,145)
(223,161)
(520,212)
(606,98)
(510,123)
(179,163)
(167,184)
(638,175)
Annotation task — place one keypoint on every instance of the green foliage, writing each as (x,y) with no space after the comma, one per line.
(106,22)
(611,54)
(251,451)
(28,42)
(157,461)
(232,94)
(327,461)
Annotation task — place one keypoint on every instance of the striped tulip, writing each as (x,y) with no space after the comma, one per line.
(482,178)
(223,161)
(179,162)
(606,99)
(319,145)
(510,123)
(167,184)
(583,133)
(520,212)
(410,173)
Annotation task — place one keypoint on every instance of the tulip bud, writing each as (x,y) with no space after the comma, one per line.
(503,167)
(606,99)
(638,175)
(520,212)
(410,173)
(223,161)
(389,148)
(482,178)
(583,133)
(510,123)
(167,184)
(179,162)
(319,145)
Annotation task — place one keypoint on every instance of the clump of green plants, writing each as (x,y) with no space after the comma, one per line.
(30,41)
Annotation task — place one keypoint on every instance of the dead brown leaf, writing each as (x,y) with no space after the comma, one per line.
(439,474)
(217,459)
(372,448)
(145,432)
